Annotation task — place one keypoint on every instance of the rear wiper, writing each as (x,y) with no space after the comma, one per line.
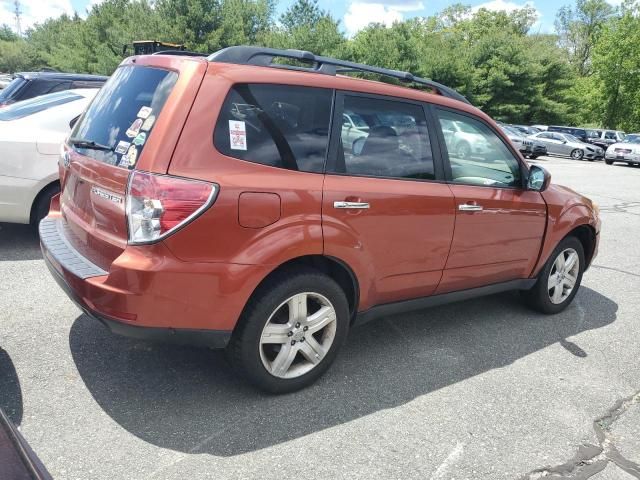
(76,142)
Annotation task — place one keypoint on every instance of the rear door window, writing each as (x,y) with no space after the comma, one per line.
(389,140)
(122,115)
(277,125)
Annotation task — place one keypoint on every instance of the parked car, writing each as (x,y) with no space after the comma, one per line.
(568,145)
(542,128)
(579,133)
(526,130)
(604,138)
(221,208)
(528,147)
(31,132)
(628,151)
(354,132)
(33,84)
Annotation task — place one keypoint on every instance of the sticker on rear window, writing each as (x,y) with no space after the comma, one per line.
(134,128)
(122,147)
(237,135)
(140,138)
(129,159)
(148,123)
(144,112)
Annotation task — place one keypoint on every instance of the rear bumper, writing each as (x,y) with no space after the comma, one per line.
(144,301)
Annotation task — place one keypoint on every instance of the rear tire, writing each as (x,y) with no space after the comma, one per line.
(278,323)
(557,283)
(41,207)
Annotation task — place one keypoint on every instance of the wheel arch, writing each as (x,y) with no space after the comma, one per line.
(587,236)
(335,268)
(38,197)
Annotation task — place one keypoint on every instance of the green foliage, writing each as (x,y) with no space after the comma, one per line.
(585,75)
(578,29)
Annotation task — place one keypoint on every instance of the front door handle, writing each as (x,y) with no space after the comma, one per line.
(357,205)
(468,207)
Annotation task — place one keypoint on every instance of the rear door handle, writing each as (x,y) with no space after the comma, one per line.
(468,207)
(357,205)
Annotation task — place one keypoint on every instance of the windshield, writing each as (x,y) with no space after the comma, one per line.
(38,104)
(571,138)
(632,138)
(593,133)
(10,89)
(511,131)
(116,125)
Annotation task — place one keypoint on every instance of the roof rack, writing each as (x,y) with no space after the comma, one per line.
(262,56)
(180,53)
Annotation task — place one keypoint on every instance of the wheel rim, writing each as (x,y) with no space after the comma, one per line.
(577,154)
(298,335)
(563,275)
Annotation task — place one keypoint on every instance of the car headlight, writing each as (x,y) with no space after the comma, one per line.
(596,209)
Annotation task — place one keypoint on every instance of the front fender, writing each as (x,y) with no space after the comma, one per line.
(560,222)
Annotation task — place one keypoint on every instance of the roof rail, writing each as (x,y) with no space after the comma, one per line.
(262,56)
(180,53)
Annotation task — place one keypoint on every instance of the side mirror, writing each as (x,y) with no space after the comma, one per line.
(73,122)
(538,179)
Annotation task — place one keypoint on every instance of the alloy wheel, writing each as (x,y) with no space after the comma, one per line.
(577,154)
(298,335)
(563,275)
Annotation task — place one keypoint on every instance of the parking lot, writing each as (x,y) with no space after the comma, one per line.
(483,389)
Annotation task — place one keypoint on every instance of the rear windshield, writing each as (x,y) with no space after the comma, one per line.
(38,104)
(117,124)
(15,85)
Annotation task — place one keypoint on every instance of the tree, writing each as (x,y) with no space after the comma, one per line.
(616,66)
(579,28)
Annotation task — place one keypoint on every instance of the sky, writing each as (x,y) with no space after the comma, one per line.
(353,14)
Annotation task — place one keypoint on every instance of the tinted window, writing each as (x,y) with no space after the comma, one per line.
(35,105)
(476,154)
(40,86)
(545,135)
(610,136)
(277,125)
(10,90)
(389,140)
(123,113)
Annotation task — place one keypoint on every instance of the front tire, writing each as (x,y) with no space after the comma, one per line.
(609,162)
(290,331)
(560,279)
(577,154)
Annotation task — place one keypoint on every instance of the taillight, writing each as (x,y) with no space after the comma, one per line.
(157,205)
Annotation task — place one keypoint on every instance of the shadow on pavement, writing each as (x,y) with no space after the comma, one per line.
(19,242)
(10,393)
(189,399)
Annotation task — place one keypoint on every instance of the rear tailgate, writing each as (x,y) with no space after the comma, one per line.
(133,123)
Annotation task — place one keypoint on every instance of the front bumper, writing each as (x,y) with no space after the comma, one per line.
(623,157)
(124,312)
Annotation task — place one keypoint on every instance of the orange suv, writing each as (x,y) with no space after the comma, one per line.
(257,200)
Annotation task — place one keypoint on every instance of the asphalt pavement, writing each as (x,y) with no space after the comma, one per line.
(483,389)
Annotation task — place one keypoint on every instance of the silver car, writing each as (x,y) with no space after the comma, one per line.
(628,151)
(568,145)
